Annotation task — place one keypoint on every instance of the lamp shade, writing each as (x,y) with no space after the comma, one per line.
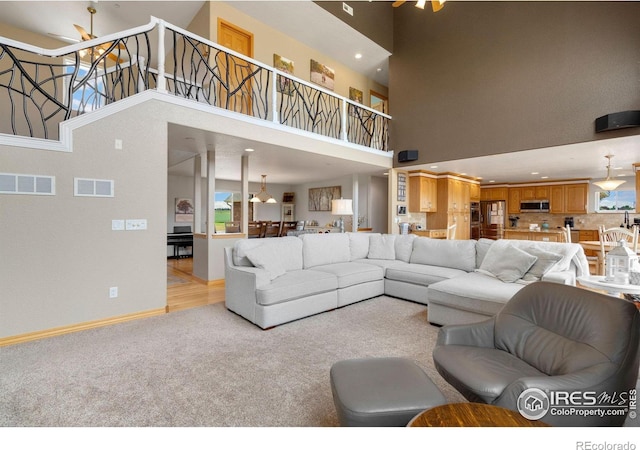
(342,207)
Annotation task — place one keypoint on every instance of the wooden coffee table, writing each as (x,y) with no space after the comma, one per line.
(472,415)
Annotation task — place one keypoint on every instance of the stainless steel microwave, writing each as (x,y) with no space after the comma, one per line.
(534,206)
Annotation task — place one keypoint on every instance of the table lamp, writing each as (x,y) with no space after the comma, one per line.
(342,207)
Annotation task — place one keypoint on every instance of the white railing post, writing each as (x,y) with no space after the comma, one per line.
(274,97)
(344,120)
(162,82)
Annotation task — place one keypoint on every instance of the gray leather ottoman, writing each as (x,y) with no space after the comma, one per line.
(381,392)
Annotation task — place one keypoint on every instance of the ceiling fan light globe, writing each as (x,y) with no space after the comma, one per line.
(271,200)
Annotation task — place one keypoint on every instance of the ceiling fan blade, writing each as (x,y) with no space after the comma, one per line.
(398,3)
(437,5)
(85,36)
(115,58)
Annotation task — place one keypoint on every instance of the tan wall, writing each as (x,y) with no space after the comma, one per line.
(480,78)
(268,41)
(64,256)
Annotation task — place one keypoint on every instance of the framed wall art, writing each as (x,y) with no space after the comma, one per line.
(322,75)
(402,187)
(285,65)
(320,198)
(184,210)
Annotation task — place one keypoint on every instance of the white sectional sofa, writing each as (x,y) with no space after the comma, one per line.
(277,280)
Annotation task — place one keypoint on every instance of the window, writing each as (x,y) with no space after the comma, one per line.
(615,201)
(88,92)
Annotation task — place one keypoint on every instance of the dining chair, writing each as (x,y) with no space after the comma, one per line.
(289,225)
(254,229)
(272,229)
(611,236)
(451,231)
(232,227)
(594,261)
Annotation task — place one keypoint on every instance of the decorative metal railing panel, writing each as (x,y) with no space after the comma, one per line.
(306,108)
(41,88)
(214,76)
(39,92)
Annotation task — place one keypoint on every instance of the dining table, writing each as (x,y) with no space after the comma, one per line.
(595,246)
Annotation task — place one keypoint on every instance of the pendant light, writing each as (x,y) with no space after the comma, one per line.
(263,195)
(608,184)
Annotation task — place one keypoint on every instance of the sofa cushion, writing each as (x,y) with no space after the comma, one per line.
(325,248)
(352,273)
(404,246)
(385,263)
(265,258)
(359,244)
(421,274)
(296,284)
(546,260)
(289,248)
(445,253)
(482,247)
(506,262)
(473,292)
(382,246)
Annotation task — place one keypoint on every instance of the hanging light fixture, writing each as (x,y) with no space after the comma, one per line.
(436,5)
(608,184)
(263,195)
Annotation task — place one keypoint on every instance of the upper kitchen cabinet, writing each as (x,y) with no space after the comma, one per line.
(568,198)
(515,196)
(474,192)
(534,193)
(575,198)
(494,193)
(423,192)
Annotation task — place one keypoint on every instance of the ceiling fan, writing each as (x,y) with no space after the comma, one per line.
(101,48)
(436,5)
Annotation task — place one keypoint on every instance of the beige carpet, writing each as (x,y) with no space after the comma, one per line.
(205,367)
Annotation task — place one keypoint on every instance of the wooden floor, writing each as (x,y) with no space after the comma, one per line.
(185,291)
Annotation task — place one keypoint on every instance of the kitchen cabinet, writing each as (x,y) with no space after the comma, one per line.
(423,193)
(568,198)
(534,192)
(513,205)
(474,192)
(497,193)
(433,234)
(527,235)
(575,198)
(453,206)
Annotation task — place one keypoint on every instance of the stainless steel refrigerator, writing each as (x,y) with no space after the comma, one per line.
(492,217)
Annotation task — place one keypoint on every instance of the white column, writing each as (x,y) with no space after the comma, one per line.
(244,193)
(197,194)
(211,191)
(355,197)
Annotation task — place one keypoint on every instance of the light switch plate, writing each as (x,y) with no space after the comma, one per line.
(136,224)
(117,225)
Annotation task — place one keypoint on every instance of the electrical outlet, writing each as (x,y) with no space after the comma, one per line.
(348,9)
(136,224)
(117,225)
(113,292)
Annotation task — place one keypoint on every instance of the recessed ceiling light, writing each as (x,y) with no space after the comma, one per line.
(249,150)
(463,173)
(535,173)
(379,69)
(385,173)
(358,55)
(434,167)
(492,181)
(544,178)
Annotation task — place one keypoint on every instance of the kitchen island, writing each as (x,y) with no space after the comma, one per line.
(524,234)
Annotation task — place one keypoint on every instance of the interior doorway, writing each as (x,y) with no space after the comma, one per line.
(235,93)
(379,102)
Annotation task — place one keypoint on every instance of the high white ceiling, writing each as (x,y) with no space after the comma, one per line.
(585,160)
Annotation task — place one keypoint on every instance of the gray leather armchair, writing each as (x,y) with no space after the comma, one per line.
(548,336)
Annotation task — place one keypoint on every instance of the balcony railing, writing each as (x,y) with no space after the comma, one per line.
(39,88)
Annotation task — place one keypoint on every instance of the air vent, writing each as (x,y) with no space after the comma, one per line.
(87,187)
(15,183)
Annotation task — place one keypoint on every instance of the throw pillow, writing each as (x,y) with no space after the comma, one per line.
(546,260)
(382,247)
(404,246)
(506,262)
(265,258)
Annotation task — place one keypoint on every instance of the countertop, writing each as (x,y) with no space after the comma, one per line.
(527,230)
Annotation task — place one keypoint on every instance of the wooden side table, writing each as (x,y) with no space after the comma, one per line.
(472,415)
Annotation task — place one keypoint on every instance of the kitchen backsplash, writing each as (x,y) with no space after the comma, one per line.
(580,221)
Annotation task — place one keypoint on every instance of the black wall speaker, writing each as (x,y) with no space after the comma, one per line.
(407,155)
(615,121)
